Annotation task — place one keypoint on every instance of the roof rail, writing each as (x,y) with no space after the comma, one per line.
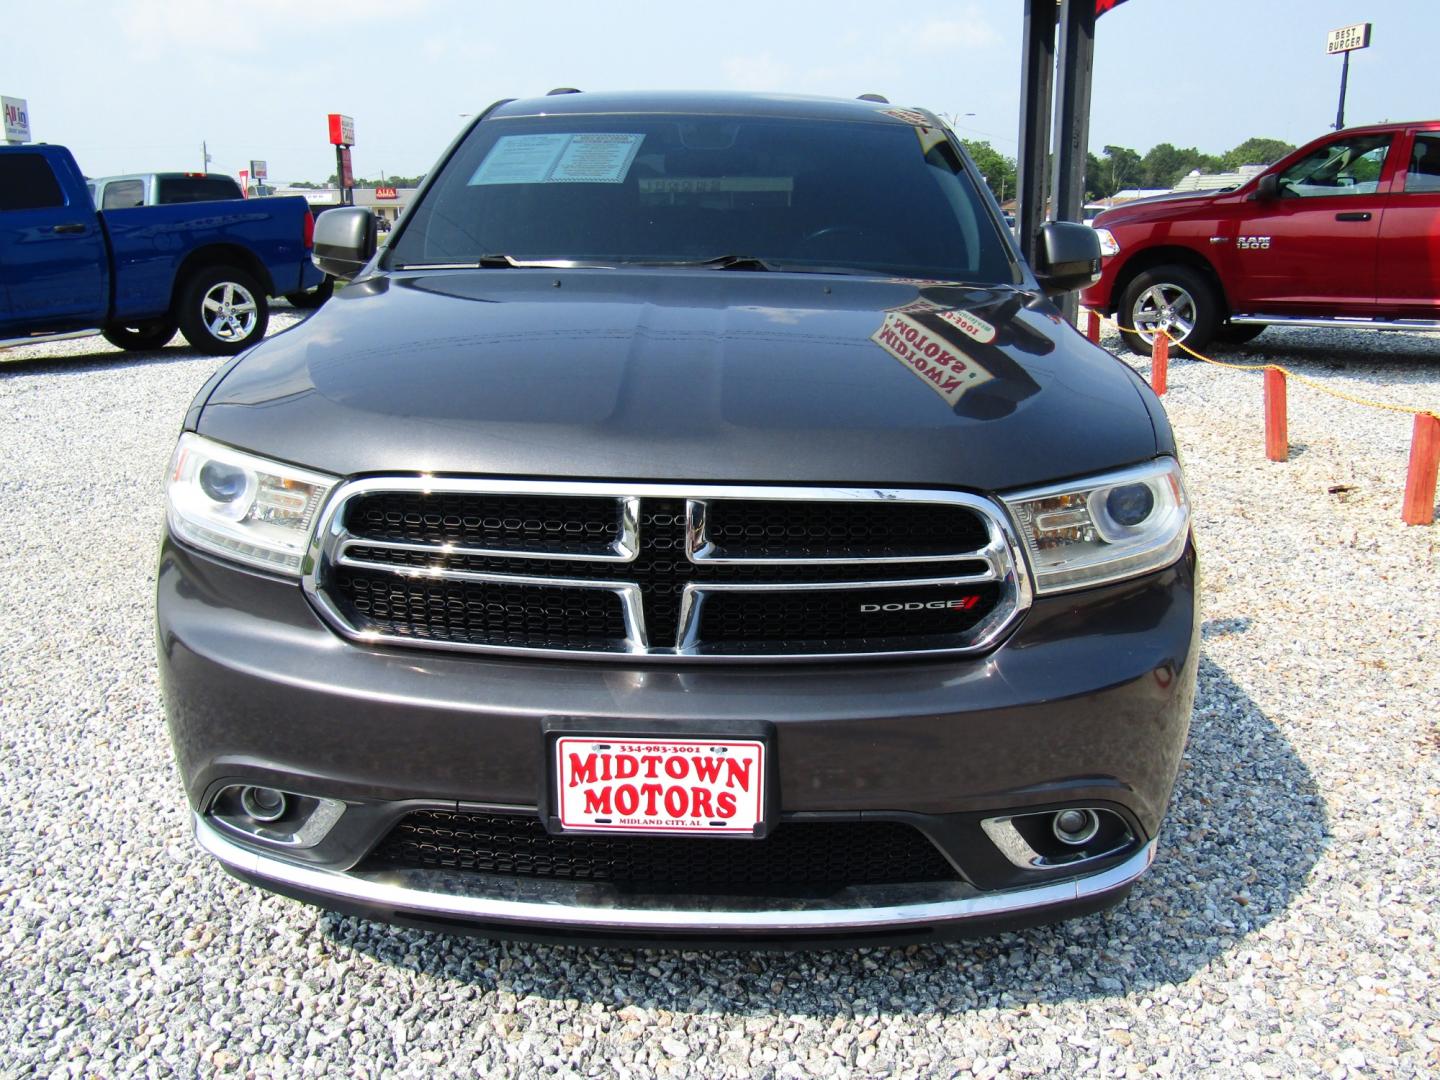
(881,98)
(561,90)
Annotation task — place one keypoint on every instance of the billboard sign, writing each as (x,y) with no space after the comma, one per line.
(1348,38)
(386,193)
(342,130)
(347,175)
(17,119)
(257,170)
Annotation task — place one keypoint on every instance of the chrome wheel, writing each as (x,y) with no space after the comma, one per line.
(1163,307)
(229,311)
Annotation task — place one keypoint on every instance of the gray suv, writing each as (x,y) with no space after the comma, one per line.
(697,523)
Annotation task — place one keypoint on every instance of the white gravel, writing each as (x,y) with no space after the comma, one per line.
(1287,929)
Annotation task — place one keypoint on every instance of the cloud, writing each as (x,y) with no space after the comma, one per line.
(972,30)
(758,72)
(223,28)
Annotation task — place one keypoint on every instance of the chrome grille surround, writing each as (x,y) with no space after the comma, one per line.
(1001,557)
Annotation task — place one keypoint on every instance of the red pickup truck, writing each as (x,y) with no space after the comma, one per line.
(1343,232)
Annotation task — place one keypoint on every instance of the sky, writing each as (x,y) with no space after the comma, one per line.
(138,85)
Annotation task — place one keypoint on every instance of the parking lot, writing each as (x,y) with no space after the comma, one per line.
(1287,928)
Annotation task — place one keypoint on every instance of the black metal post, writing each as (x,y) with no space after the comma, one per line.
(1344,78)
(1038,65)
(1072,118)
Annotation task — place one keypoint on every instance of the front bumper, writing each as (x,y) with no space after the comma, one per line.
(1087,702)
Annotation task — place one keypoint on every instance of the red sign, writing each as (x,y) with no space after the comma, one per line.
(347,176)
(342,130)
(386,193)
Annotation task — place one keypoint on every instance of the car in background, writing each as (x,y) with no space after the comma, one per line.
(139,273)
(161,189)
(1339,233)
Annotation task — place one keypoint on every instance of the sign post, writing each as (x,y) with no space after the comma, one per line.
(342,137)
(1346,40)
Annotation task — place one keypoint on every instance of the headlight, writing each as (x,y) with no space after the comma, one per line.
(241,506)
(1108,246)
(1106,528)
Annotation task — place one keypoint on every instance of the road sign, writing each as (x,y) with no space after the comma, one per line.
(342,130)
(1348,38)
(17,119)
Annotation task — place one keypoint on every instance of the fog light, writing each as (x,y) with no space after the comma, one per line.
(1076,827)
(263,803)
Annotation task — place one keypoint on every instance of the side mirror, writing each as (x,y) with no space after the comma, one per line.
(1068,257)
(1268,187)
(344,240)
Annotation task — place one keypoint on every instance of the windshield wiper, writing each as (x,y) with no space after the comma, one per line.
(508,262)
(754,262)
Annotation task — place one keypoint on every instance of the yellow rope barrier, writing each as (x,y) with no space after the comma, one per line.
(1313,383)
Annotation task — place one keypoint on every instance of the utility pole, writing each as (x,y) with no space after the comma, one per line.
(205,157)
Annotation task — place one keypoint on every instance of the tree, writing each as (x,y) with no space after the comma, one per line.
(1120,168)
(1257,151)
(998,170)
(1164,165)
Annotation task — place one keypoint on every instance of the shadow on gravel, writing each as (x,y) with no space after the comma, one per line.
(1246,826)
(103,356)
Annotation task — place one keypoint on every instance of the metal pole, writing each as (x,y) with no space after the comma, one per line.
(1038,65)
(1344,78)
(1072,118)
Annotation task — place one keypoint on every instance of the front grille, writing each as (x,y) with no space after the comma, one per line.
(810,855)
(670,572)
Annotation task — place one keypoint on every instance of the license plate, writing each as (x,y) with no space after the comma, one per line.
(711,786)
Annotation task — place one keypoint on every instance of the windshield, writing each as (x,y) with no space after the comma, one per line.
(828,196)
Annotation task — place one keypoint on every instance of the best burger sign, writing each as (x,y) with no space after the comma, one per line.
(660,785)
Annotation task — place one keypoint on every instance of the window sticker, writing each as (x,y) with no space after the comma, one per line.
(596,158)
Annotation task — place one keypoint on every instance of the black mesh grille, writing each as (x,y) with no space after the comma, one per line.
(438,609)
(845,618)
(480,613)
(807,855)
(755,528)
(575,525)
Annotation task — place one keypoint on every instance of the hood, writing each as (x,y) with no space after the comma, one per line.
(1157,206)
(685,375)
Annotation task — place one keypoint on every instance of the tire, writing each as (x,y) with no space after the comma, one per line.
(310,299)
(1174,297)
(142,336)
(1231,334)
(222,310)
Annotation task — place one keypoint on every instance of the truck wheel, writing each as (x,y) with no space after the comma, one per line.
(142,336)
(1233,334)
(222,310)
(309,299)
(1173,298)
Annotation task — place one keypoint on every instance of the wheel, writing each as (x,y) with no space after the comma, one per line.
(142,336)
(1173,298)
(1233,334)
(312,298)
(222,310)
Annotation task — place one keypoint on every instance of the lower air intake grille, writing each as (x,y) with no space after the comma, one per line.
(797,855)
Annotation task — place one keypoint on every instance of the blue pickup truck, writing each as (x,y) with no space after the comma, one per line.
(138,274)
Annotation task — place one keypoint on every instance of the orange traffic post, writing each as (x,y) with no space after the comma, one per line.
(1160,362)
(1092,326)
(1419,505)
(1277,434)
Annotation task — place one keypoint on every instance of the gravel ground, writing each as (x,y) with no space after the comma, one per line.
(1288,927)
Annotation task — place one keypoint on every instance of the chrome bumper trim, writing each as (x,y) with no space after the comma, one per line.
(900,907)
